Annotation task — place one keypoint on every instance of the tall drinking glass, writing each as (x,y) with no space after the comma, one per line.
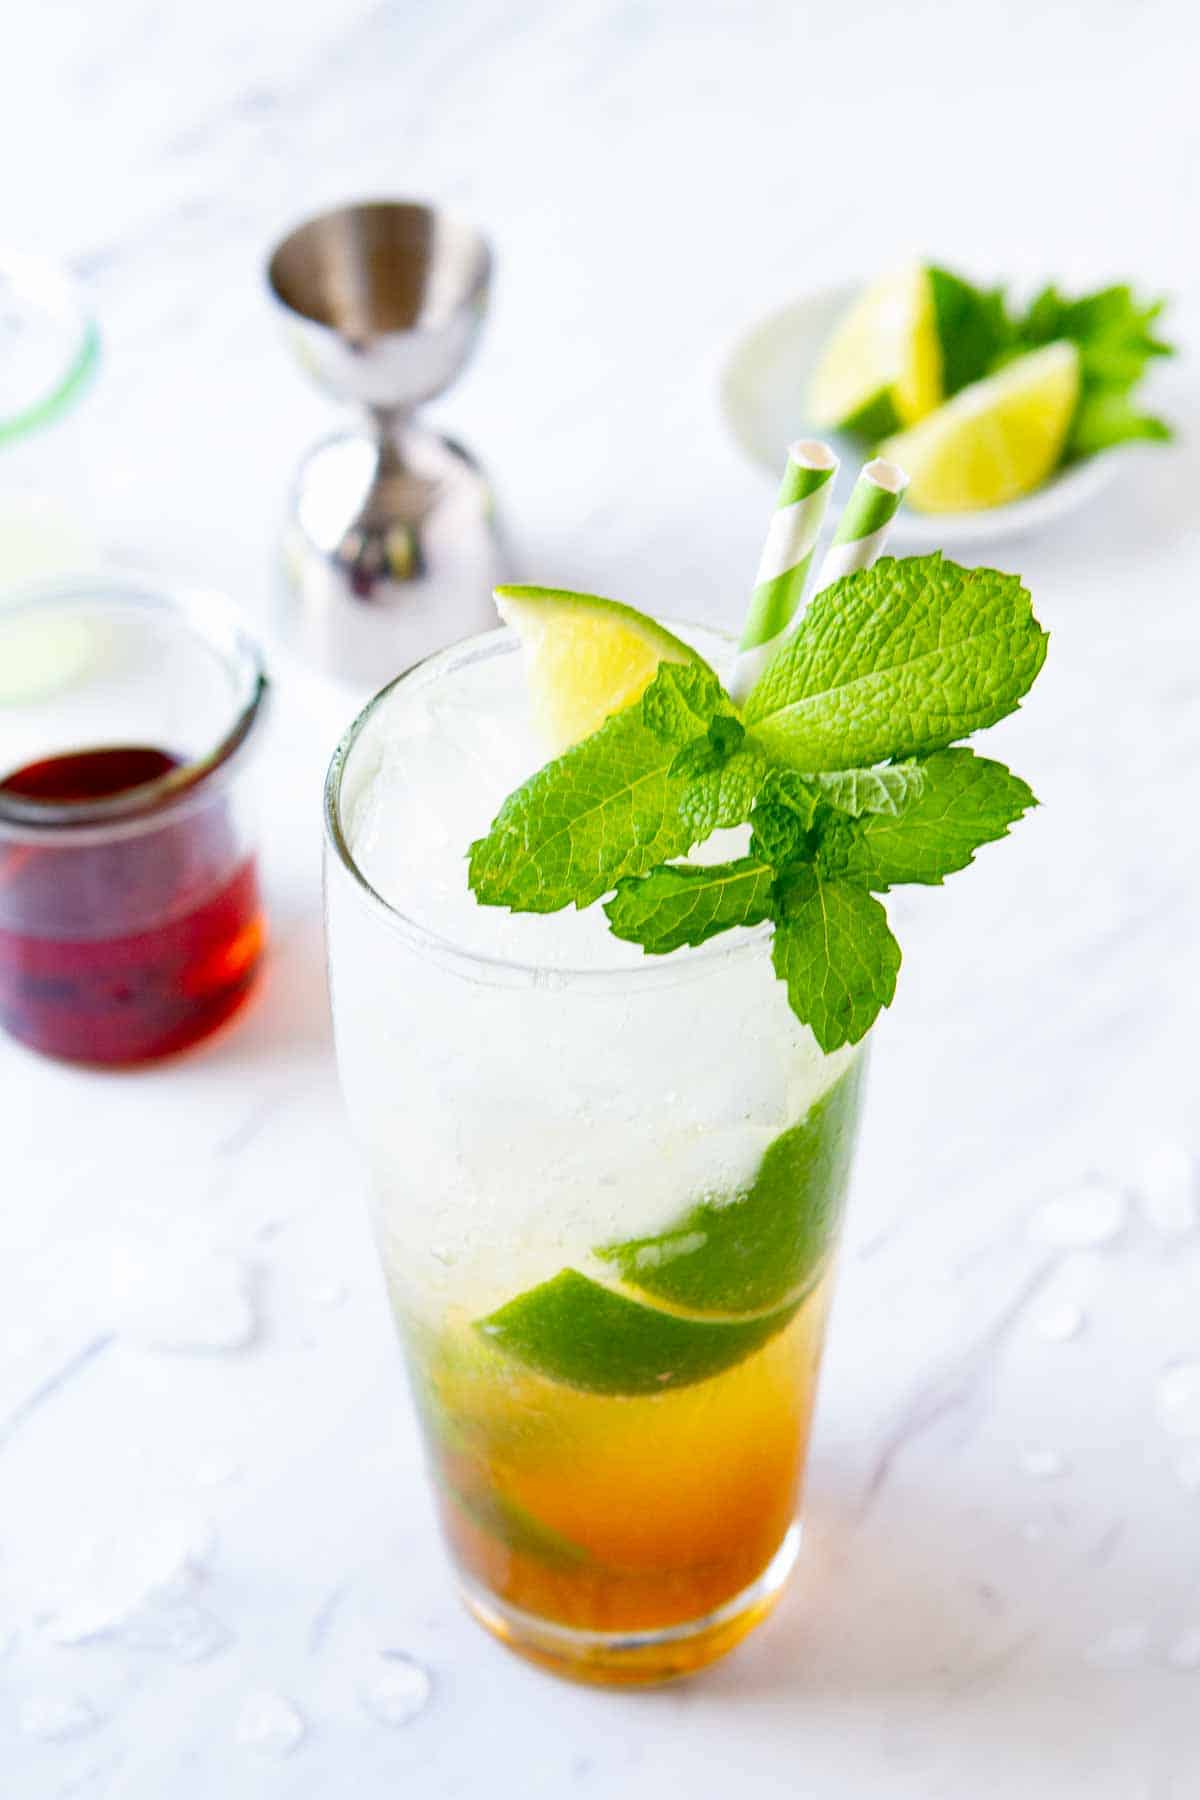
(606,1193)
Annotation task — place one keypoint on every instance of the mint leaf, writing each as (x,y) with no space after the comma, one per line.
(606,809)
(967,801)
(888,788)
(973,328)
(1105,418)
(1116,338)
(1114,333)
(783,816)
(685,903)
(899,658)
(722,772)
(836,953)
(682,701)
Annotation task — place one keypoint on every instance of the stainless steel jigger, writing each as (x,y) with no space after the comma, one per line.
(390,549)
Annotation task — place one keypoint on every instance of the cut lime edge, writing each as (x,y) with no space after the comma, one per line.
(551,599)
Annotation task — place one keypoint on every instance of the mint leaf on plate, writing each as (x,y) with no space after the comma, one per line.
(685,903)
(903,657)
(1105,418)
(836,953)
(966,801)
(973,328)
(1117,339)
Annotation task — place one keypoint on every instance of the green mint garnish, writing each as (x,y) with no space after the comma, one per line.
(840,762)
(966,801)
(901,658)
(686,903)
(834,949)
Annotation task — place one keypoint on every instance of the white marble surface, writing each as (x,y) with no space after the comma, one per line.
(1001,1591)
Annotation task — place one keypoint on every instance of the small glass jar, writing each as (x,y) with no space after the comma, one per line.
(131,923)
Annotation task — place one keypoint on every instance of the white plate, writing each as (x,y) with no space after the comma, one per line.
(763,383)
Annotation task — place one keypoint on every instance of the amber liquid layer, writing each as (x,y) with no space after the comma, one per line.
(620,1514)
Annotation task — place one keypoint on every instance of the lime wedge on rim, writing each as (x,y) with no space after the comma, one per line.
(585,657)
(997,439)
(882,368)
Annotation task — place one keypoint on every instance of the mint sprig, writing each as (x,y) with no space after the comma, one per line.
(900,658)
(841,763)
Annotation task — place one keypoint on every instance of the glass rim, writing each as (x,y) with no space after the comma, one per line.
(61,295)
(662,970)
(208,617)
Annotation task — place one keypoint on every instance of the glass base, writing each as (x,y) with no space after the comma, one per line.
(637,1658)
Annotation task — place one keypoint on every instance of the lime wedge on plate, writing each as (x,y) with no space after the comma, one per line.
(585,657)
(882,368)
(997,439)
(574,1330)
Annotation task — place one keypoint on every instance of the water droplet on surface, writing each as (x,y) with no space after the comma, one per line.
(1188,1469)
(189,1634)
(216,1471)
(1043,1465)
(1184,1653)
(1058,1324)
(1121,1648)
(122,1587)
(1167,1189)
(58,1718)
(269,1725)
(1082,1217)
(396,1689)
(329,1294)
(1178,1403)
(1032,1532)
(198,1304)
(8,1641)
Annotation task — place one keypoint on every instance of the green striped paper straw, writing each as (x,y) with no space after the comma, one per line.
(786,557)
(865,522)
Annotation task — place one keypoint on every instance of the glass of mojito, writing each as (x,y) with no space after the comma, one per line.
(609,1146)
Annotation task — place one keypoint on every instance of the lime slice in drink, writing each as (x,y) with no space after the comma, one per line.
(997,439)
(573,1330)
(585,657)
(751,1252)
(882,368)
